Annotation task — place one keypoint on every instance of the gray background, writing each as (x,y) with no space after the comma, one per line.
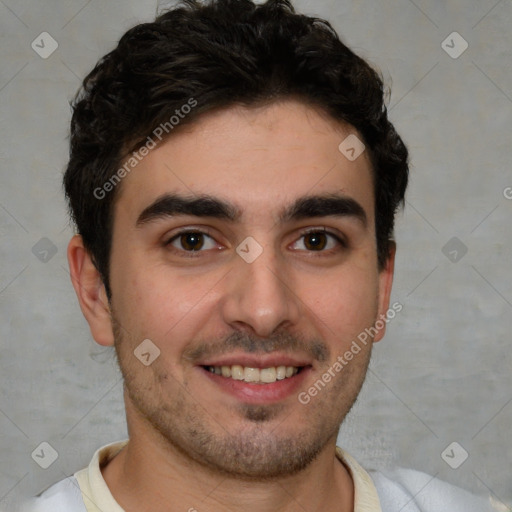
(442,373)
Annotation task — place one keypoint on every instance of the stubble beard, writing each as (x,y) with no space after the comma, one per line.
(264,444)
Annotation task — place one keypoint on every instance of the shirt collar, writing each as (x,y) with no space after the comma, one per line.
(98,498)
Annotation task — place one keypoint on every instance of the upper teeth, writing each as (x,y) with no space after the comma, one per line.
(265,375)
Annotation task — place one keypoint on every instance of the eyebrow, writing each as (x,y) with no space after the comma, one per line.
(170,205)
(330,205)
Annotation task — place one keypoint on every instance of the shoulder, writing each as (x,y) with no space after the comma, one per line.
(64,496)
(409,490)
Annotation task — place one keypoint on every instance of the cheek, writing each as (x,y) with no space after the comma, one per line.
(343,305)
(154,302)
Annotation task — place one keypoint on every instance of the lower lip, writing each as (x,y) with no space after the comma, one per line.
(252,393)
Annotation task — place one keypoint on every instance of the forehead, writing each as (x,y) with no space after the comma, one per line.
(256,158)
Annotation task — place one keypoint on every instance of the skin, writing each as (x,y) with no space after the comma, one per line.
(192,444)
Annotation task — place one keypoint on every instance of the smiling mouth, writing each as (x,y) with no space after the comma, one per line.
(255,375)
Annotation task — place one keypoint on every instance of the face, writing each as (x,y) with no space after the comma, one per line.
(244,249)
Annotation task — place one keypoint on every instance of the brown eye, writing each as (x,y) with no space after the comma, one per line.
(192,241)
(319,241)
(315,241)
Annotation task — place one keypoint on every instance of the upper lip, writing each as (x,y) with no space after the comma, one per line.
(257,361)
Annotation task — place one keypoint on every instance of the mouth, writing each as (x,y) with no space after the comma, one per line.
(257,380)
(255,375)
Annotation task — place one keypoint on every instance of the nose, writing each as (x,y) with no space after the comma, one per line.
(260,297)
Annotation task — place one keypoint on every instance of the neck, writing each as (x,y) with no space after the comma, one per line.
(149,474)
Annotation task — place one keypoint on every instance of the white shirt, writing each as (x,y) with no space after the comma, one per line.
(404,490)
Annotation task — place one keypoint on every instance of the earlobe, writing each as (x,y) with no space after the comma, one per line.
(90,291)
(385,285)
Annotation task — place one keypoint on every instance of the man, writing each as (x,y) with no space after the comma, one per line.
(233,178)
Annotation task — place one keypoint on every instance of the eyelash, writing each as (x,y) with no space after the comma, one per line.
(194,254)
(339,239)
(185,231)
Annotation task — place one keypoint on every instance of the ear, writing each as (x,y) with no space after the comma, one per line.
(385,284)
(90,291)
